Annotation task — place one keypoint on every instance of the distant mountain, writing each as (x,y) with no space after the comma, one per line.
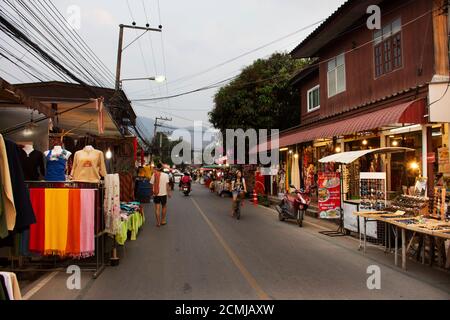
(146,126)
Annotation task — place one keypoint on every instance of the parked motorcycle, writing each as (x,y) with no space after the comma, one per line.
(293,206)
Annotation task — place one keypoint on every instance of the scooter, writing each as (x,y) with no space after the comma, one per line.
(294,205)
(186,189)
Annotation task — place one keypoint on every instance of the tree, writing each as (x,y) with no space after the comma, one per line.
(261,97)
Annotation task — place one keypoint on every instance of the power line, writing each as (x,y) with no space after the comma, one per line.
(220,83)
(247,53)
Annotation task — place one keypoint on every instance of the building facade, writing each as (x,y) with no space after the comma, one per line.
(375,88)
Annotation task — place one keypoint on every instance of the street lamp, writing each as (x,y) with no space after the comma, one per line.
(159,79)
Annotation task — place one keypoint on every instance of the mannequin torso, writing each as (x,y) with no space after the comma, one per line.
(28,149)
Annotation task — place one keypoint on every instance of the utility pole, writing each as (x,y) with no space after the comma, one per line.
(121,49)
(154,133)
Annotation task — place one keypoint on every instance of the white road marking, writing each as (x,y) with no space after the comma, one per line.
(39,285)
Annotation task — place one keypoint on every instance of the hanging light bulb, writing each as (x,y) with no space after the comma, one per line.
(338,149)
(108,154)
(395,143)
(365,142)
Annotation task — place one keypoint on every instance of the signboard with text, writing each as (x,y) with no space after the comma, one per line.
(329,184)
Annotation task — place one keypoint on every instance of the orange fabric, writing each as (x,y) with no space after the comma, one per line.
(74,223)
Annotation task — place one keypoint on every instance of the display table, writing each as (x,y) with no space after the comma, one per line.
(430,227)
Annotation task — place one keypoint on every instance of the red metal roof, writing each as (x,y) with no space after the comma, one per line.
(409,112)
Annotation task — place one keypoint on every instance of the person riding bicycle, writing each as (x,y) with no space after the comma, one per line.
(238,189)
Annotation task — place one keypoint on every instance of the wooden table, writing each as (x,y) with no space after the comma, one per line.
(371,216)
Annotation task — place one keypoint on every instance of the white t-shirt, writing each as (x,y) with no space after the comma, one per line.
(163,181)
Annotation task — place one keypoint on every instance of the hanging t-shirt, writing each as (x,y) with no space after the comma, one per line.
(32,165)
(88,166)
(56,166)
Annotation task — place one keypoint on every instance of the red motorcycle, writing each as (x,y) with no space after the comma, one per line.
(293,206)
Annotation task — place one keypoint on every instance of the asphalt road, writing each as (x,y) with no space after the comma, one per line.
(203,253)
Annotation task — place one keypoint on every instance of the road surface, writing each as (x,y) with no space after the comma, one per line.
(203,253)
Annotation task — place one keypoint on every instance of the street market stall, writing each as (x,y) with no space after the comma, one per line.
(410,211)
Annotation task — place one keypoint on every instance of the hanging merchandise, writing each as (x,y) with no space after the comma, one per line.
(112,203)
(22,203)
(32,163)
(37,230)
(126,187)
(9,287)
(65,222)
(7,209)
(88,165)
(56,160)
(99,106)
(295,180)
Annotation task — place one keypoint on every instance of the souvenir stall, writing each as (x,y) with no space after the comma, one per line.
(419,223)
(333,186)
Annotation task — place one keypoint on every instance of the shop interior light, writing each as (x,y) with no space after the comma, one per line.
(290,151)
(296,156)
(27,132)
(414,165)
(365,142)
(437,134)
(395,143)
(108,154)
(407,129)
(338,149)
(284,149)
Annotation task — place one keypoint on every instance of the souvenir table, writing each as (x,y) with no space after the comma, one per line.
(397,222)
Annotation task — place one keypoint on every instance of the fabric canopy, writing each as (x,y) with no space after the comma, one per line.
(349,157)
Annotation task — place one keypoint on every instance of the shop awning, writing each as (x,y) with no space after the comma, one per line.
(409,112)
(349,157)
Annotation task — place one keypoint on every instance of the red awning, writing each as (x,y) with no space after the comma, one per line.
(411,112)
(406,113)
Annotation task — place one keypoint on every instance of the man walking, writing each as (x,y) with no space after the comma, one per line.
(161,190)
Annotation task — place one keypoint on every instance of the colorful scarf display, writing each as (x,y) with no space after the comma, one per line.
(112,203)
(65,222)
(87,231)
(73,247)
(37,230)
(56,221)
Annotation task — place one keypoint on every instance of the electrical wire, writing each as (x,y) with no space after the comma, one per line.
(208,87)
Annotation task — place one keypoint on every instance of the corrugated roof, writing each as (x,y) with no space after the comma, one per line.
(341,19)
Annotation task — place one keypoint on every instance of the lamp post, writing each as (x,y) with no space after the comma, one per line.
(159,79)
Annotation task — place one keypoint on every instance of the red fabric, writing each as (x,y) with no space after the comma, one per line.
(74,223)
(37,230)
(135,147)
(126,187)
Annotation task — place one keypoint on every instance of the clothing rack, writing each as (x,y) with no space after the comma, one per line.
(99,226)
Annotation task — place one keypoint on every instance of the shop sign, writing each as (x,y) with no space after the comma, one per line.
(329,195)
(431,157)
